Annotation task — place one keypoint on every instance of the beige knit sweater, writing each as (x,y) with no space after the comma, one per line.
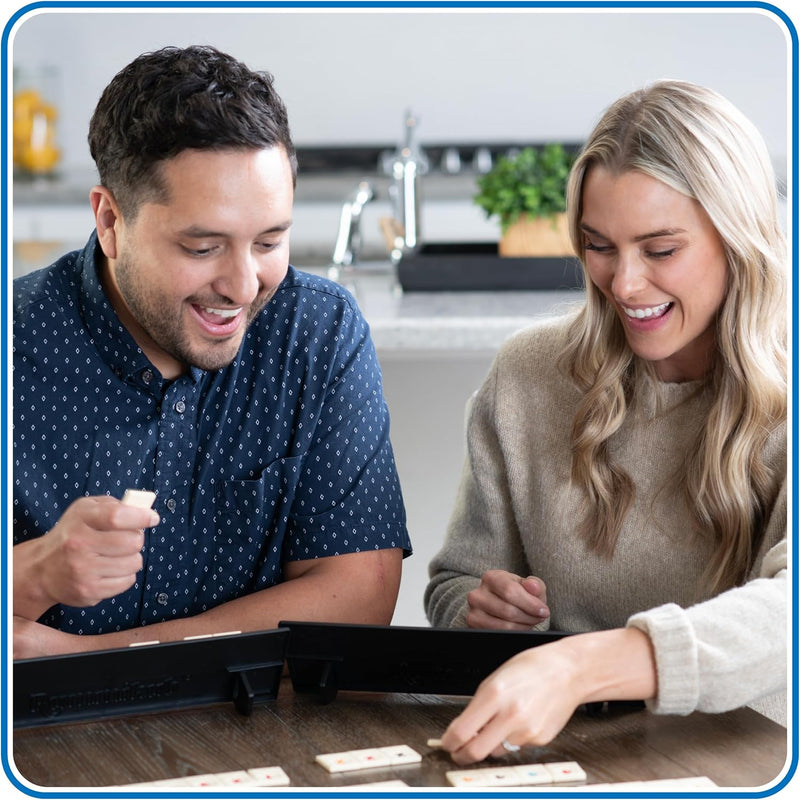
(517,510)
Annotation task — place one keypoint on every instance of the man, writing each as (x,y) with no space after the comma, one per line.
(180,353)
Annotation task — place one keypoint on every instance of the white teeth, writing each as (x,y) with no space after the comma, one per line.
(642,313)
(222,312)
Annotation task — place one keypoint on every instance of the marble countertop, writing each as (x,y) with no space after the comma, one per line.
(445,321)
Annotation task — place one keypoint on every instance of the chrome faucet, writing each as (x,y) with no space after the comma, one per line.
(348,241)
(408,163)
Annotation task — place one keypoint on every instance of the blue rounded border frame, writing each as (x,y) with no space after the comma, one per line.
(5,373)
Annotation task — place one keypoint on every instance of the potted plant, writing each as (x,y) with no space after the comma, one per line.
(526,192)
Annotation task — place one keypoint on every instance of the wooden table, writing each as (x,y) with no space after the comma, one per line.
(740,748)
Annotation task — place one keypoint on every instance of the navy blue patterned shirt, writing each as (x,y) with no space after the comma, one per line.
(283,455)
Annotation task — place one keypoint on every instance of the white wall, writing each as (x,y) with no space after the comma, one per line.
(347,76)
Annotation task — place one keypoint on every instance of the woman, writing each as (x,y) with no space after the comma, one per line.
(626,470)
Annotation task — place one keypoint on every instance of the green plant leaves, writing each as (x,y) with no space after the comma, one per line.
(532,182)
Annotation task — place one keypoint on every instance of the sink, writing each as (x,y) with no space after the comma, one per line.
(477,266)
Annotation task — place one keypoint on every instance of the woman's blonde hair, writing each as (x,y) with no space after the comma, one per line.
(696,142)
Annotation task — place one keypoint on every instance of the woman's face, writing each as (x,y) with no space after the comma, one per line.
(657,258)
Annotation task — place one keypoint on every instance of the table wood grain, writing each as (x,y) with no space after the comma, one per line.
(740,748)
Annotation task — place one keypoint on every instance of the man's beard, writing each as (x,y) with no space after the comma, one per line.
(167,328)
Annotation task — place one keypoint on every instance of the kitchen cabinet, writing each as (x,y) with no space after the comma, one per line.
(435,349)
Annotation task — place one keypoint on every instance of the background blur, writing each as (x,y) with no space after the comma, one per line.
(470,77)
(474,79)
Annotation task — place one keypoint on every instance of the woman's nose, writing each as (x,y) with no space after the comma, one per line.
(630,276)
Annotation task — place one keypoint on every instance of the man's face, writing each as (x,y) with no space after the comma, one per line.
(194,271)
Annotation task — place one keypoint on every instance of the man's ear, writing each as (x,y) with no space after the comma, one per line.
(107,217)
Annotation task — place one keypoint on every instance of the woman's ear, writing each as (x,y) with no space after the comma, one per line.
(107,217)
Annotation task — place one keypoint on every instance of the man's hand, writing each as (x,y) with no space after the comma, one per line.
(354,587)
(505,601)
(93,552)
(33,640)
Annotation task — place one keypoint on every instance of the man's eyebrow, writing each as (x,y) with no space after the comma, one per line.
(641,238)
(197,232)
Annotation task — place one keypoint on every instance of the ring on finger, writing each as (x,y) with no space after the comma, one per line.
(511,748)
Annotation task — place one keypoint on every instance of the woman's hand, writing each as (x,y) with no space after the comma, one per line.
(530,698)
(505,601)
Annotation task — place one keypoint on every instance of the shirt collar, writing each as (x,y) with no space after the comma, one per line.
(112,339)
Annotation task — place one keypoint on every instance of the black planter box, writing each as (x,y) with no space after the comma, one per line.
(444,267)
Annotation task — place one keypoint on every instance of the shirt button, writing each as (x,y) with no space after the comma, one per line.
(147,376)
(171,504)
(180,406)
(162,598)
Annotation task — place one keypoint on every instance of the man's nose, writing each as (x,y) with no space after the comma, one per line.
(239,280)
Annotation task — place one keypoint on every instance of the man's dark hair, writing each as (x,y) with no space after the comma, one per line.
(175,99)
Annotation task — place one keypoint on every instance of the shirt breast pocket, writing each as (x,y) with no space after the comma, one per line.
(251,518)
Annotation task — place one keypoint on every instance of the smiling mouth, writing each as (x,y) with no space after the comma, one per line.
(219,323)
(649,312)
(218,316)
(226,313)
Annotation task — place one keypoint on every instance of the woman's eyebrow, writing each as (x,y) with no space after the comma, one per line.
(589,229)
(641,238)
(657,234)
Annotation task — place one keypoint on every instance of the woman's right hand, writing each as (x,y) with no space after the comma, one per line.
(530,698)
(505,601)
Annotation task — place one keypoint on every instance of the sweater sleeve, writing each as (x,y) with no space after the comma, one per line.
(731,650)
(482,533)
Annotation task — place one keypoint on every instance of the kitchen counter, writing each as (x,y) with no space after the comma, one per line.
(445,321)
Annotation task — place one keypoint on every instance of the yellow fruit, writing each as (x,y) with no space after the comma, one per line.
(34,132)
(39,159)
(26,99)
